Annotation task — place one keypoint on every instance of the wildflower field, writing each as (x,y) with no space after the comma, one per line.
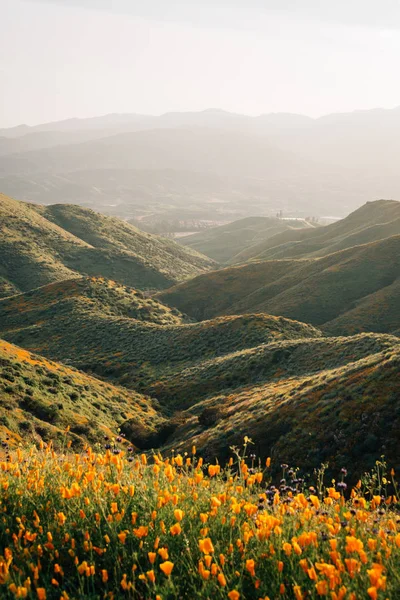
(114,524)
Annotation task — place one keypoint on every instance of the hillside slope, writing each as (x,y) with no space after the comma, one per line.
(317,291)
(212,382)
(346,415)
(116,333)
(39,399)
(35,250)
(372,222)
(225,242)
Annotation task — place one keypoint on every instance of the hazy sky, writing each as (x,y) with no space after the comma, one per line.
(65,58)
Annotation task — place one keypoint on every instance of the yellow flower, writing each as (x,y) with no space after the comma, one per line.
(141,531)
(178,514)
(152,557)
(353,544)
(221,579)
(213,470)
(122,537)
(104,575)
(61,519)
(41,593)
(19,592)
(322,587)
(175,529)
(151,576)
(206,546)
(372,593)
(297,592)
(163,552)
(233,595)
(250,567)
(287,548)
(166,567)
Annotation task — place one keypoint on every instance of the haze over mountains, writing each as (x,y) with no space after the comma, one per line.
(207,166)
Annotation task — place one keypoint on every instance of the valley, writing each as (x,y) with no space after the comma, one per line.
(268,348)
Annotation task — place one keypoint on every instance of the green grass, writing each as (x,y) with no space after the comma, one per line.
(113,332)
(346,414)
(247,368)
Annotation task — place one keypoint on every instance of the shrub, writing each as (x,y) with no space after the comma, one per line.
(210,416)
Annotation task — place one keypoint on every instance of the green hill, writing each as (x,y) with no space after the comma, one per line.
(281,360)
(210,383)
(36,248)
(347,416)
(39,399)
(372,222)
(225,242)
(117,333)
(323,291)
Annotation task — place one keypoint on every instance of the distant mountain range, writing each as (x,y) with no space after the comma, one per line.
(260,238)
(210,165)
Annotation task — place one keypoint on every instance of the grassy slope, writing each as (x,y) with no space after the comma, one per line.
(347,415)
(317,291)
(132,344)
(283,358)
(224,242)
(40,398)
(35,251)
(268,376)
(373,221)
(101,231)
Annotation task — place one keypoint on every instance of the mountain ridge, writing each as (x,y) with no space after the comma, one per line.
(317,290)
(35,250)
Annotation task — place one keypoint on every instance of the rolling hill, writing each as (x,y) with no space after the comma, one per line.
(209,383)
(223,243)
(39,399)
(116,333)
(327,292)
(372,222)
(344,416)
(36,248)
